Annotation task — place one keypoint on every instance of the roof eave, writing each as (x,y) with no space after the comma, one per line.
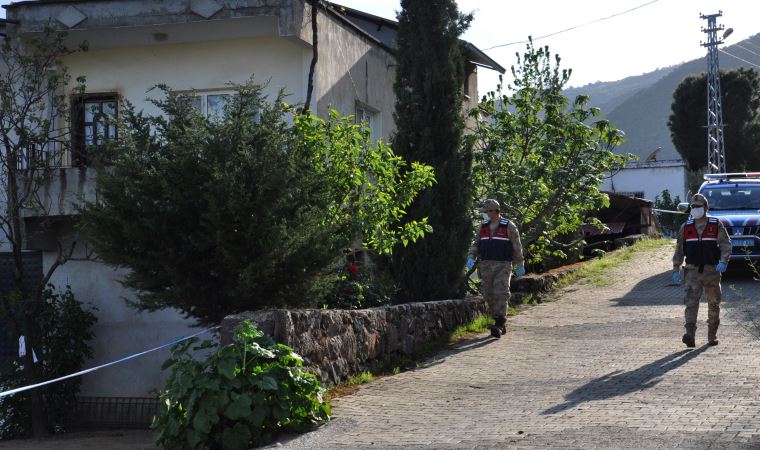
(483,60)
(478,58)
(331,9)
(367,16)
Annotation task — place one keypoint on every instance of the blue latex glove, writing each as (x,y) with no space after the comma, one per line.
(676,277)
(520,270)
(470,263)
(721,267)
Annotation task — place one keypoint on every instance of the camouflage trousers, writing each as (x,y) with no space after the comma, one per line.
(694,283)
(494,284)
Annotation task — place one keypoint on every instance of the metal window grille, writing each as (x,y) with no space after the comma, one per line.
(633,194)
(113,412)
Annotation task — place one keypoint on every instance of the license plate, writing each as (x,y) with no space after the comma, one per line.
(742,242)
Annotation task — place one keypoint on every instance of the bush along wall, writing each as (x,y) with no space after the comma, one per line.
(239,397)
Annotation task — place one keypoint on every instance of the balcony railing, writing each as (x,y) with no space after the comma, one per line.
(55,155)
(51,155)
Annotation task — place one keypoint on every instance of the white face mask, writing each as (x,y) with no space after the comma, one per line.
(697,213)
(485,216)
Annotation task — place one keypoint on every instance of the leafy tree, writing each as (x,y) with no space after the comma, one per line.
(670,222)
(33,131)
(542,158)
(219,215)
(740,91)
(429,89)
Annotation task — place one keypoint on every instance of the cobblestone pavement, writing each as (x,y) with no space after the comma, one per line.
(602,367)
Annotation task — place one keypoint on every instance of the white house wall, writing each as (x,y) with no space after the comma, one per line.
(120,331)
(353,69)
(649,180)
(208,65)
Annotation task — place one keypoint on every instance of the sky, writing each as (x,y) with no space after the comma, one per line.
(660,33)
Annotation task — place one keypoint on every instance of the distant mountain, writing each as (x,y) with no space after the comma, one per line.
(640,105)
(608,95)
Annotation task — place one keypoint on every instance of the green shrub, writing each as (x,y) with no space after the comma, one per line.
(63,329)
(238,397)
(669,222)
(358,285)
(239,214)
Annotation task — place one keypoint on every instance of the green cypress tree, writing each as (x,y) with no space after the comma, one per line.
(430,123)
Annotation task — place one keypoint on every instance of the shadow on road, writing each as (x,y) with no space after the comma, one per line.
(659,290)
(459,347)
(619,383)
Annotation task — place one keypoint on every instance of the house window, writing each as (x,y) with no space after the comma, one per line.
(211,105)
(370,118)
(94,126)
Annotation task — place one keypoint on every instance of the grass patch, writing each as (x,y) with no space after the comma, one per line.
(362,378)
(595,272)
(531,299)
(481,323)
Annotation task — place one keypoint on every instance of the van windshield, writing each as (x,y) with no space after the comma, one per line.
(732,197)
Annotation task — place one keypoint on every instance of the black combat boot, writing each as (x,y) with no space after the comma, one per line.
(501,322)
(712,334)
(688,338)
(495,332)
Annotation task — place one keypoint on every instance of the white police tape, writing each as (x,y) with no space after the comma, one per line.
(93,369)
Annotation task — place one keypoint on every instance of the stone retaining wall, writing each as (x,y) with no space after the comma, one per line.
(337,344)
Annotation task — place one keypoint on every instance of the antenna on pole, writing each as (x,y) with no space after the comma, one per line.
(716,152)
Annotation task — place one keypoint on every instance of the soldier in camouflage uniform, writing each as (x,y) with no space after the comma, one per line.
(705,244)
(498,246)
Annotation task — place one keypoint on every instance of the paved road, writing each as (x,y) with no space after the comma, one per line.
(599,368)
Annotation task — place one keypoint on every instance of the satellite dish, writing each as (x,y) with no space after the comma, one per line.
(653,156)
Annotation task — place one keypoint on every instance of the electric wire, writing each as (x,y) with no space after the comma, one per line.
(740,59)
(746,49)
(575,27)
(757,47)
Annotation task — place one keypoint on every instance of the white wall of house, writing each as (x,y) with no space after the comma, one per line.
(120,331)
(650,178)
(132,71)
(352,72)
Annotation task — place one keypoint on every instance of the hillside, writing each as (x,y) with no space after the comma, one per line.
(608,95)
(640,105)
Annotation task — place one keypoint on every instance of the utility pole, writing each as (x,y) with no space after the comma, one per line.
(716,152)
